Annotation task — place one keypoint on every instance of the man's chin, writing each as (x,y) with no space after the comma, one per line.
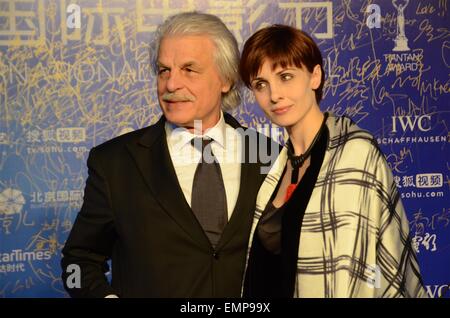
(179,120)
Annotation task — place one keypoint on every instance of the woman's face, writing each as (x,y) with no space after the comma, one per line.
(286,95)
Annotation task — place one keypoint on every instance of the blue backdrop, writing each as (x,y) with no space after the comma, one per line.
(72,77)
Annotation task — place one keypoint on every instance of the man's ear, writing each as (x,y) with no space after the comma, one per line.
(226,87)
(316,77)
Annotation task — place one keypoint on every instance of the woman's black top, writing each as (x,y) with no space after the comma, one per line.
(272,264)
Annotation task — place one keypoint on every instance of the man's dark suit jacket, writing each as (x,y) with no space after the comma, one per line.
(134,212)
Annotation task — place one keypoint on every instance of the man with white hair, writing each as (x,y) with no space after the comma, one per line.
(165,203)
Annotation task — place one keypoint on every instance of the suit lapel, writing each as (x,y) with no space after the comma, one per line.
(152,157)
(244,208)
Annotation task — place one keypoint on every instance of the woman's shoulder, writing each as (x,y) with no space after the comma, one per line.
(350,144)
(344,131)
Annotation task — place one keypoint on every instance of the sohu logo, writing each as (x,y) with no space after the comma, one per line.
(410,122)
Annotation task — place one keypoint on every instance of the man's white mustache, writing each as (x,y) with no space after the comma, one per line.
(176,97)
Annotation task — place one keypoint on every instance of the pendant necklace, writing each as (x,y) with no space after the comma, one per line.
(298,161)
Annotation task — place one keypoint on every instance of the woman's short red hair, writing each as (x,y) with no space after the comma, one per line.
(283,45)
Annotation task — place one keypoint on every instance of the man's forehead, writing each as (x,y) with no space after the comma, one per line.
(185,49)
(187,36)
(187,63)
(197,41)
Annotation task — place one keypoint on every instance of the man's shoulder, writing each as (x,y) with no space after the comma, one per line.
(260,139)
(120,142)
(251,134)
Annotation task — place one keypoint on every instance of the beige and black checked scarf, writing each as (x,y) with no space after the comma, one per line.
(354,239)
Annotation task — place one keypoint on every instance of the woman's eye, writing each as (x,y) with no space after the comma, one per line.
(286,76)
(259,86)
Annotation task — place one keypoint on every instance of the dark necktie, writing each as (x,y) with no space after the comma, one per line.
(209,202)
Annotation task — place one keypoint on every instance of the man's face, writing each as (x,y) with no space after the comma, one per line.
(189,85)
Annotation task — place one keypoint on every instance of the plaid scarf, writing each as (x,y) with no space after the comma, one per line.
(354,239)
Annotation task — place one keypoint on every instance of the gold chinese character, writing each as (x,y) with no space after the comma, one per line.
(144,9)
(103,13)
(328,5)
(24,26)
(231,13)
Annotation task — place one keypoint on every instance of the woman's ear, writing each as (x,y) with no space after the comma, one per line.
(316,77)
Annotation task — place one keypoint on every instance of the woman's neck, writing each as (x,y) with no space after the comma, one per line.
(303,132)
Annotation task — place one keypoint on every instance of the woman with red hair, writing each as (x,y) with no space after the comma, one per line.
(329,221)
